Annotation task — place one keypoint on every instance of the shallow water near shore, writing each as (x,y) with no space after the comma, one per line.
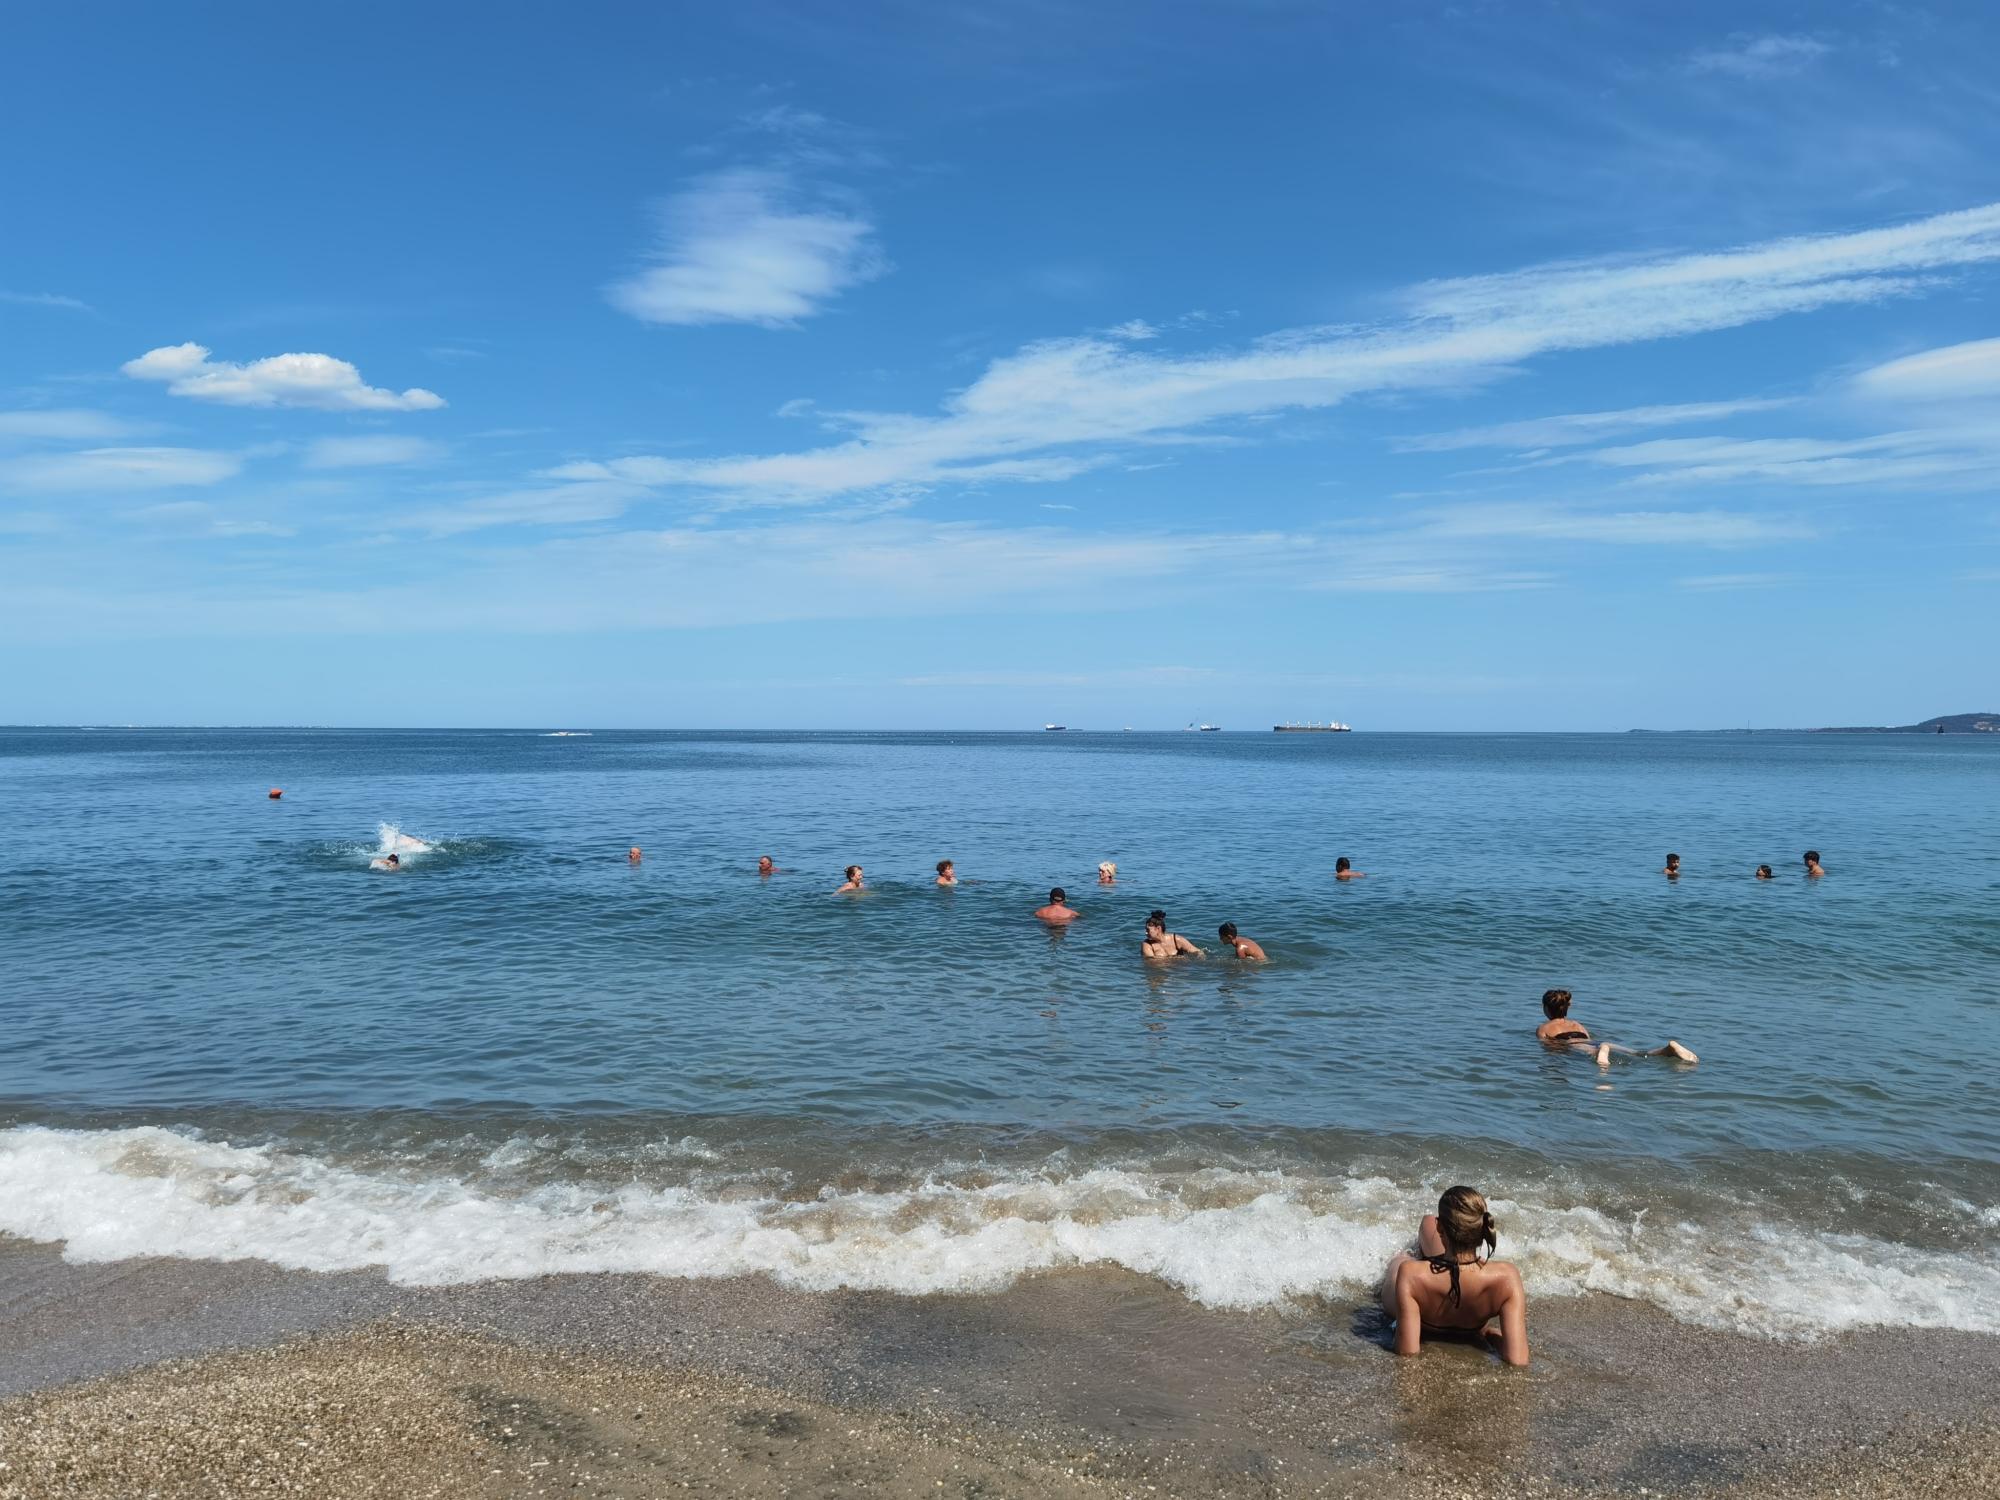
(226,1037)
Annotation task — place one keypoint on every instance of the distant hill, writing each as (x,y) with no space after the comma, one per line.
(1943,724)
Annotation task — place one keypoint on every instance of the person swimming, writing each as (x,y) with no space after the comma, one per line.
(633,855)
(767,865)
(387,862)
(1560,1030)
(1673,869)
(1058,909)
(1107,872)
(1813,867)
(1343,869)
(853,873)
(1160,943)
(1242,947)
(1444,1285)
(947,872)
(1764,873)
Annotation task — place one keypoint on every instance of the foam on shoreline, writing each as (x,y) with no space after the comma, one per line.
(1224,1238)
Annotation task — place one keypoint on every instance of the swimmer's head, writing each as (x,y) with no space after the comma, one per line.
(944,867)
(1763,872)
(765,864)
(633,854)
(1673,861)
(1107,869)
(1057,896)
(1555,1004)
(1343,863)
(1464,1222)
(853,872)
(1156,919)
(1812,856)
(395,859)
(1227,932)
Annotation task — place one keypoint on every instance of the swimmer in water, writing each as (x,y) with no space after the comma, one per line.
(1107,872)
(766,865)
(947,872)
(633,856)
(1560,1030)
(1058,909)
(1242,947)
(1343,869)
(1813,868)
(1445,1286)
(1764,873)
(1673,869)
(386,862)
(853,873)
(1161,944)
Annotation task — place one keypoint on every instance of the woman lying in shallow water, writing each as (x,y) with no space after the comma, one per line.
(1444,1286)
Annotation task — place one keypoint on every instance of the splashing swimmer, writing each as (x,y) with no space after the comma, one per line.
(387,862)
(1561,1031)
(1417,1295)
(1162,944)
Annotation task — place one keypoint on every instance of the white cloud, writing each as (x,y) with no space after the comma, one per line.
(1926,455)
(1135,330)
(1069,392)
(1581,427)
(370,451)
(45,299)
(106,469)
(64,425)
(202,519)
(1715,583)
(1953,373)
(749,245)
(1688,528)
(1772,56)
(314,380)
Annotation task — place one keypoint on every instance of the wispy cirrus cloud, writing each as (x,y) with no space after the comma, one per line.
(1925,455)
(308,380)
(46,299)
(1772,56)
(1069,393)
(371,450)
(65,424)
(1576,428)
(1723,583)
(751,245)
(117,469)
(1954,373)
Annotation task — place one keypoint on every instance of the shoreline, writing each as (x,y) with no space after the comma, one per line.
(1075,1383)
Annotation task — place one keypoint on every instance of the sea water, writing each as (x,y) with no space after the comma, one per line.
(222,1035)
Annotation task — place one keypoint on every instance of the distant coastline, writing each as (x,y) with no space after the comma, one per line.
(1987,723)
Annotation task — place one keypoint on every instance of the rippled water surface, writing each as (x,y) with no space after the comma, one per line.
(523,1023)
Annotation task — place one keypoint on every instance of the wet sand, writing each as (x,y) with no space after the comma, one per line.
(1077,1384)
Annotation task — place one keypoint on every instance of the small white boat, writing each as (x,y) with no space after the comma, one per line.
(1054,728)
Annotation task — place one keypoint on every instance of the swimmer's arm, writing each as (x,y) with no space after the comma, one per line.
(1514,1321)
(1187,947)
(1409,1319)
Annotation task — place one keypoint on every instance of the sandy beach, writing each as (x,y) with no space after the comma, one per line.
(175,1378)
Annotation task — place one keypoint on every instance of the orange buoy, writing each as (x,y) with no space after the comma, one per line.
(277,792)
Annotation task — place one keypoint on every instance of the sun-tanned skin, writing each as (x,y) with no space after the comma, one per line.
(1162,944)
(1058,910)
(1343,869)
(1419,1298)
(1673,869)
(387,862)
(947,872)
(1814,869)
(766,865)
(1559,1030)
(1242,947)
(854,884)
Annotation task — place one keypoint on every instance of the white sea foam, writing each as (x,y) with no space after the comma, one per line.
(389,839)
(1225,1238)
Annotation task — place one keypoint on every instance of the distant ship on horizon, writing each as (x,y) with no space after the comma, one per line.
(1054,728)
(1331,726)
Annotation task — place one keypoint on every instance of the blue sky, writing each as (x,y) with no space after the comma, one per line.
(1526,366)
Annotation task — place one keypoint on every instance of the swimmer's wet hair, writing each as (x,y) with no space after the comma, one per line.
(1464,1225)
(1343,863)
(1156,918)
(1812,856)
(1555,1003)
(1227,932)
(1673,859)
(1765,871)
(851,871)
(943,865)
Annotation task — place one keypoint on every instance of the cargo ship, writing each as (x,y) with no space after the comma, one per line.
(1331,726)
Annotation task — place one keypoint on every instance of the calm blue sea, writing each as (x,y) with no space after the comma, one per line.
(222,1035)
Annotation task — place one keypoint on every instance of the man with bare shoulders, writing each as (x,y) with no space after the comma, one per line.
(1673,869)
(1058,909)
(1445,1287)
(1343,869)
(1242,947)
(1813,867)
(1161,944)
(766,865)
